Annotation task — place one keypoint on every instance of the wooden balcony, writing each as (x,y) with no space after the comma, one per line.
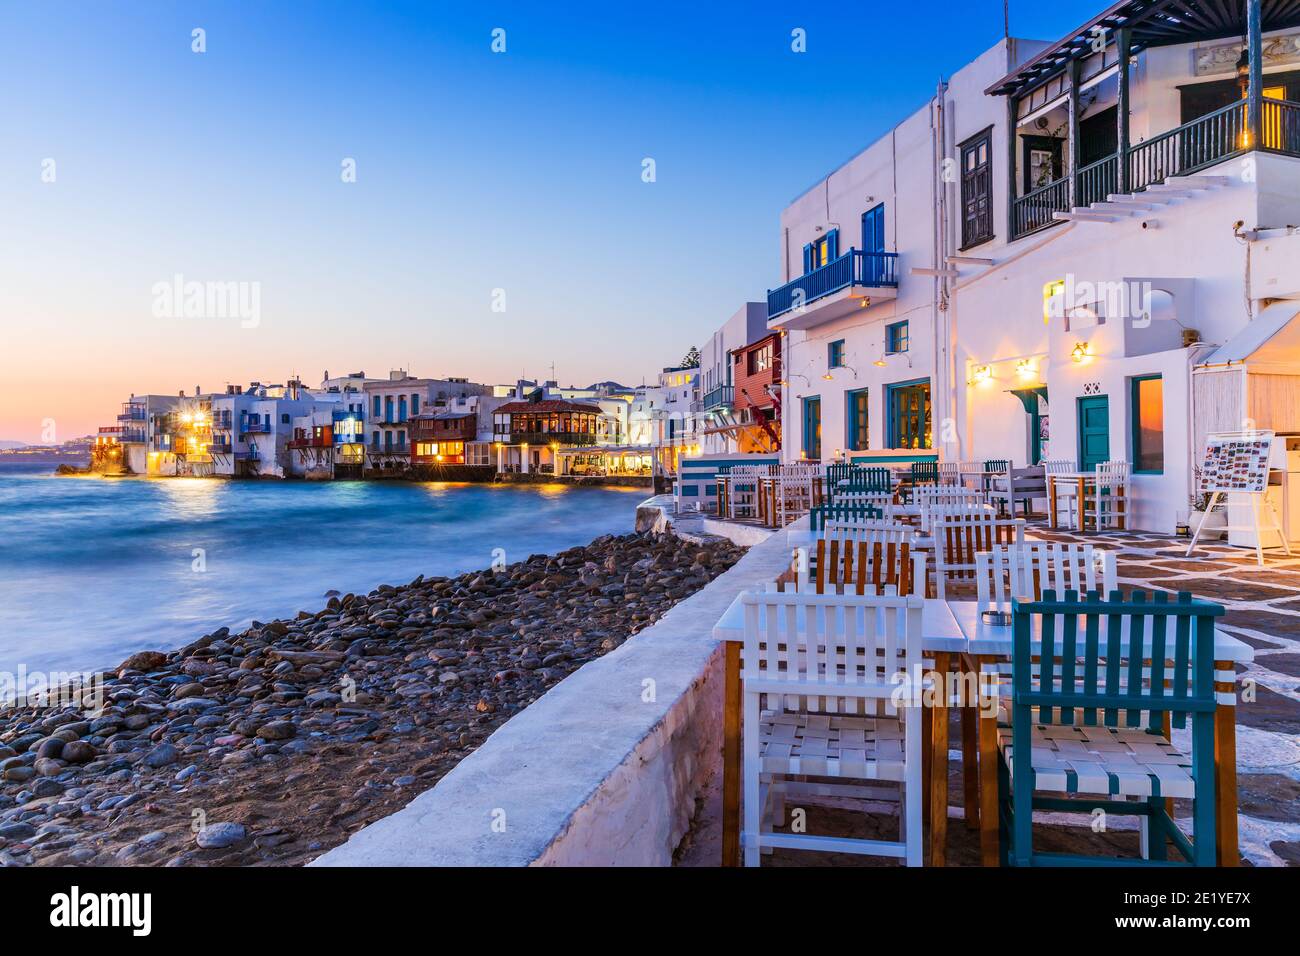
(1205,142)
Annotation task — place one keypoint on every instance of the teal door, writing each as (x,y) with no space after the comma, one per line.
(1094,431)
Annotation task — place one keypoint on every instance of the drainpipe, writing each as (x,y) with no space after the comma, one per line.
(945,398)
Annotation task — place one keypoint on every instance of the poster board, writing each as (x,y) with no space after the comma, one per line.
(1236,463)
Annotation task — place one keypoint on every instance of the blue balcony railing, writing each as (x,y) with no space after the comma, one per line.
(872,270)
(720,397)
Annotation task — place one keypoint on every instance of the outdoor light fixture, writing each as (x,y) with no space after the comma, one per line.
(1025,368)
(982,374)
(829,377)
(1243,70)
(1080,353)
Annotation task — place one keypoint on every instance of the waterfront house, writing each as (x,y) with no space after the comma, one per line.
(1032,265)
(722,429)
(529,433)
(664,418)
(138,421)
(390,406)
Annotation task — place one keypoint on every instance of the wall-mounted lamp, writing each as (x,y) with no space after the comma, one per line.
(1080,353)
(830,378)
(1025,369)
(982,374)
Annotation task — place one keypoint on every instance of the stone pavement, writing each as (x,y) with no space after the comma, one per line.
(1263,607)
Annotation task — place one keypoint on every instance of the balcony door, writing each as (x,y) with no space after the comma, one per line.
(873,240)
(1044,161)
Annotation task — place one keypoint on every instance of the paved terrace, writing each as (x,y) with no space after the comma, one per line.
(1263,610)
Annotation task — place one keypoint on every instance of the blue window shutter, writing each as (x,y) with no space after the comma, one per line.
(833,244)
(807,259)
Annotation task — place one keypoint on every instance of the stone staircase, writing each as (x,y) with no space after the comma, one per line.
(1119,207)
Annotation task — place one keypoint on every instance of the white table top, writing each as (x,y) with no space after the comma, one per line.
(803,538)
(942,633)
(955,627)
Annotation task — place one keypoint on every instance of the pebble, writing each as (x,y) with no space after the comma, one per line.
(219,835)
(161,756)
(400,683)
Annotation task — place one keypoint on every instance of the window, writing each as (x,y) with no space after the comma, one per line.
(977,190)
(1148,418)
(401,409)
(909,414)
(812,427)
(821,252)
(376,410)
(835,354)
(896,337)
(856,436)
(284,419)
(760,360)
(415,404)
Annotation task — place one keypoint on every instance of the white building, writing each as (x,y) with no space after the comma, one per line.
(664,418)
(1032,265)
(391,404)
(138,421)
(721,424)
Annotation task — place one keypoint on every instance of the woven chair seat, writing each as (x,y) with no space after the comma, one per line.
(828,745)
(1104,761)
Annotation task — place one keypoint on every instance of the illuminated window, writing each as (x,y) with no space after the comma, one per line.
(1148,424)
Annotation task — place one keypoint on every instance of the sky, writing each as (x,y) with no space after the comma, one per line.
(380,189)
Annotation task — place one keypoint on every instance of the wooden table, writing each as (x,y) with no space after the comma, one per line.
(1083,482)
(954,635)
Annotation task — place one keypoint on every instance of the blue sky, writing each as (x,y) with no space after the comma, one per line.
(475,171)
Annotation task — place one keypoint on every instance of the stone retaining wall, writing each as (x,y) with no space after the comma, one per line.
(604,769)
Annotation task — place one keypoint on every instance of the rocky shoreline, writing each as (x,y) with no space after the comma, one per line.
(273,745)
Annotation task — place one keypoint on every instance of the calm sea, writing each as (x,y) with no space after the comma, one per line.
(94,569)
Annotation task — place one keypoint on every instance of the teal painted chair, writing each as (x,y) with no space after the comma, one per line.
(1095,683)
(841,512)
(864,479)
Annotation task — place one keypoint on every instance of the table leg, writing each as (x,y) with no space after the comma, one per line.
(970,760)
(939,767)
(731,757)
(1225,779)
(990,852)
(1051,500)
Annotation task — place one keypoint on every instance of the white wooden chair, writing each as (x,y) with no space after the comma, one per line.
(825,713)
(794,491)
(1066,492)
(742,497)
(1026,571)
(937,510)
(867,557)
(950,473)
(1107,502)
(959,538)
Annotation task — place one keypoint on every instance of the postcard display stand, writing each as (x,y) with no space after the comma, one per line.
(1236,466)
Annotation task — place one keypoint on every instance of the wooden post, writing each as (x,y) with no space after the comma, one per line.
(731,756)
(1123,48)
(1075,146)
(1225,778)
(1255,95)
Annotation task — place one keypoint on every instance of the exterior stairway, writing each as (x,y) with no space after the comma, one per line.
(1119,207)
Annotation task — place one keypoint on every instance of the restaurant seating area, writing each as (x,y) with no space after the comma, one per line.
(925,640)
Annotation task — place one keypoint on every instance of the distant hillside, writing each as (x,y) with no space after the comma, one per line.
(13,444)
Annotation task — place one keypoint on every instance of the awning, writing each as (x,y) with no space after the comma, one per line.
(1029,396)
(1271,338)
